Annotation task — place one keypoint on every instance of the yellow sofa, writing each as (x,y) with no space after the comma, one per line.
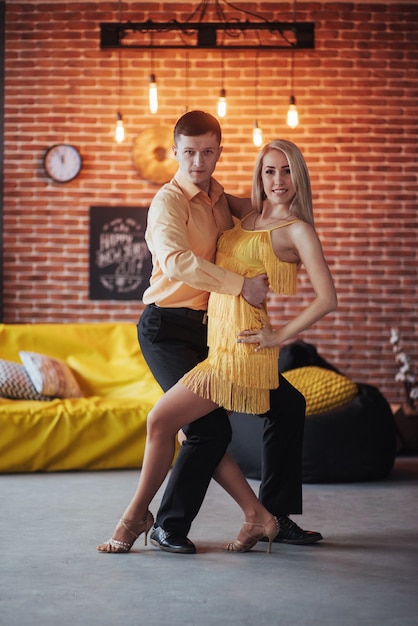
(106,428)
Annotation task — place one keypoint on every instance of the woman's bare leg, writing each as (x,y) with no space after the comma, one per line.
(259,522)
(177,407)
(230,478)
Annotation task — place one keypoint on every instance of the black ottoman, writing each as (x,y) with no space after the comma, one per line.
(355,442)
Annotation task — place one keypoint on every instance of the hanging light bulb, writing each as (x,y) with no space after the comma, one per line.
(153,94)
(257,135)
(222,93)
(292,113)
(222,103)
(119,129)
(257,132)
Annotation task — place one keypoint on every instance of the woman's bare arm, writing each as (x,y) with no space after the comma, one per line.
(239,207)
(308,247)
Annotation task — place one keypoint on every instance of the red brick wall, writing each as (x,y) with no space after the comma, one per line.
(357,98)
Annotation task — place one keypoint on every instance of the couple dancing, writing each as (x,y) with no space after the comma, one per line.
(190,222)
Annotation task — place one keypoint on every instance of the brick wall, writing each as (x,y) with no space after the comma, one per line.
(357,99)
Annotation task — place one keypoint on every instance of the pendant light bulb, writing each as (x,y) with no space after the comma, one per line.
(153,94)
(257,135)
(222,103)
(292,113)
(119,129)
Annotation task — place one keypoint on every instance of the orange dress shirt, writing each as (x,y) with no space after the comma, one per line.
(184,225)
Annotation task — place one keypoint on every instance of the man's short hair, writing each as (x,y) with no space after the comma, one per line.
(194,123)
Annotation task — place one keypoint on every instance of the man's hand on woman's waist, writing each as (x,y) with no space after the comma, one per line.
(254,290)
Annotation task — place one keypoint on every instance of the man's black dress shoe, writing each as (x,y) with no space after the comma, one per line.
(170,542)
(290,532)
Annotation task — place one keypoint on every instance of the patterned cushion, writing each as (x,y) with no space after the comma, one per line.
(323,389)
(16,384)
(49,376)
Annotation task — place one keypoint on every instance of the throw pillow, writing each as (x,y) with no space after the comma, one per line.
(50,376)
(16,384)
(323,389)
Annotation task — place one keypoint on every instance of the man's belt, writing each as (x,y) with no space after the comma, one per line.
(197,316)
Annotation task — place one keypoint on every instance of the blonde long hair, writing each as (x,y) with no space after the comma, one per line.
(301,205)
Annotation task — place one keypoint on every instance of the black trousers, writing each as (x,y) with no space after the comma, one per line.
(173,341)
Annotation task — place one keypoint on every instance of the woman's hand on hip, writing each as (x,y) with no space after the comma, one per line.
(263,337)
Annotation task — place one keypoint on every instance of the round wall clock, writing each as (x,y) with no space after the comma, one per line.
(62,162)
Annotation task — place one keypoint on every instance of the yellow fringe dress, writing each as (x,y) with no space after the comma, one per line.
(234,375)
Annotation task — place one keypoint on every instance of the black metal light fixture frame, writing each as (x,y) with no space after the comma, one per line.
(289,34)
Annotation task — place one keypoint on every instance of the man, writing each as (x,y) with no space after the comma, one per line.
(185,220)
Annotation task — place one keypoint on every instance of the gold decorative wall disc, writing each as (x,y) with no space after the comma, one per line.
(152,154)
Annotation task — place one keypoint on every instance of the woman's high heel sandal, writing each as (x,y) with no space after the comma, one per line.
(251,533)
(135,529)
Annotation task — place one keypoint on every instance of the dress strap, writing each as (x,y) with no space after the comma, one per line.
(248,215)
(268,229)
(283,225)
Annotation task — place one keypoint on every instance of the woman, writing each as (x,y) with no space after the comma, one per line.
(276,237)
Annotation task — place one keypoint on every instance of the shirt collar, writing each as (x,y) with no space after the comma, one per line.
(191,190)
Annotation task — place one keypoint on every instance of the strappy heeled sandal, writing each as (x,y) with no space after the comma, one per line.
(252,533)
(116,546)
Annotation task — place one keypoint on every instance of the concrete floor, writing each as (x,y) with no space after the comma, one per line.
(365,572)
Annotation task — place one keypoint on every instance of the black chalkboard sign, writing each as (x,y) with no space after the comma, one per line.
(120,262)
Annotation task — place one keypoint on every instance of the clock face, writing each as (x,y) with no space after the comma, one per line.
(62,162)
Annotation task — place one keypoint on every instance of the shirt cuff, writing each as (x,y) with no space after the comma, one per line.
(232,284)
